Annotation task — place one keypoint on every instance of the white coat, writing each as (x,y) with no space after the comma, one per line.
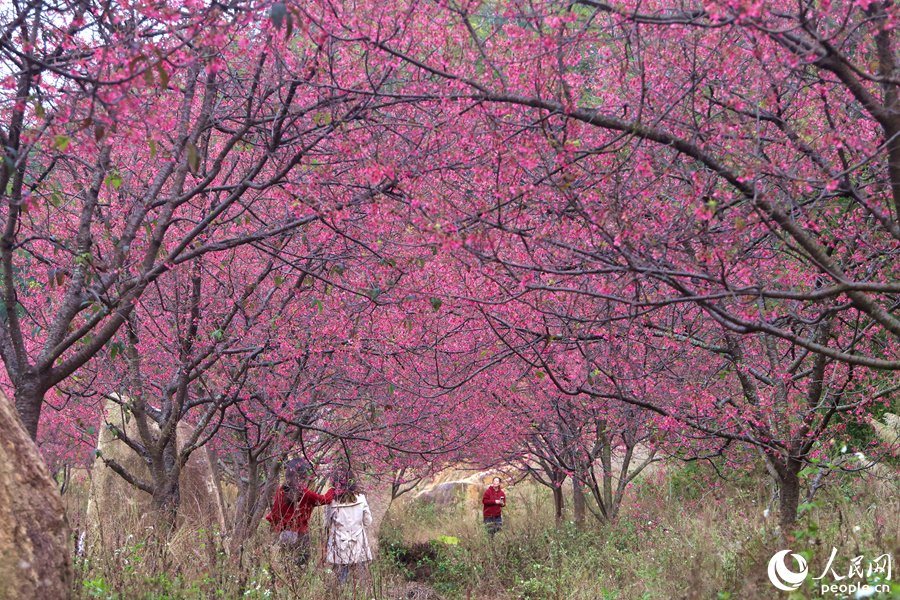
(348,542)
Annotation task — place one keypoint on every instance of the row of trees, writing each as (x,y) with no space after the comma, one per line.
(556,231)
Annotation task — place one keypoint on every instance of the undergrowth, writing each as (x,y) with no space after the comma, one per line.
(678,536)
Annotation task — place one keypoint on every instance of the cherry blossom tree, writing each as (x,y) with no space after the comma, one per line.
(165,151)
(719,179)
(138,138)
(602,445)
(732,159)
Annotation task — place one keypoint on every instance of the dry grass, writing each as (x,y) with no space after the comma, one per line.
(678,537)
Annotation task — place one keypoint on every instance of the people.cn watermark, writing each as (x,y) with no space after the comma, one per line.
(855,581)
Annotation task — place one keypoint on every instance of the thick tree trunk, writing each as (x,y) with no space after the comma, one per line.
(167,501)
(578,501)
(606,464)
(790,495)
(35,559)
(255,503)
(29,400)
(248,494)
(167,485)
(165,469)
(558,503)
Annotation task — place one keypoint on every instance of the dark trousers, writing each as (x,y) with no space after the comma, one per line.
(296,545)
(493,524)
(354,571)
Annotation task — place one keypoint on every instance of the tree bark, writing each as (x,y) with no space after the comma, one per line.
(260,505)
(248,494)
(578,501)
(790,495)
(558,503)
(35,558)
(29,400)
(167,500)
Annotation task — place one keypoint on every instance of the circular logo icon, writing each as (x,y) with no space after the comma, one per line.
(782,577)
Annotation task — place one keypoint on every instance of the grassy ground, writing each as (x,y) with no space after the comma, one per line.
(679,536)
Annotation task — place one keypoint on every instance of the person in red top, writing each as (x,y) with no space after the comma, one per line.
(494,500)
(292,507)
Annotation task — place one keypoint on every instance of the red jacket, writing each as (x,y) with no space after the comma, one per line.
(491,508)
(294,516)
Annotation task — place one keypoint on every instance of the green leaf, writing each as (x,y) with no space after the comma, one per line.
(9,162)
(322,118)
(540,374)
(152,149)
(114,180)
(217,334)
(436,304)
(193,157)
(391,389)
(62,142)
(39,110)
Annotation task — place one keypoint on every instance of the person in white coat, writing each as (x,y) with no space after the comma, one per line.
(346,518)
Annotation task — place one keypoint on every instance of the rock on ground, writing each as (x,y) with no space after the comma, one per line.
(35,558)
(114,505)
(454,487)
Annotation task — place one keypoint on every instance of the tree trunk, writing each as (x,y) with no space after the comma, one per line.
(578,501)
(29,400)
(558,503)
(165,473)
(790,495)
(35,559)
(254,501)
(166,502)
(248,494)
(264,501)
(167,488)
(606,463)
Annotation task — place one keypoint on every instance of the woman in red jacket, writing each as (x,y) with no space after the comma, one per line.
(292,507)
(494,500)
